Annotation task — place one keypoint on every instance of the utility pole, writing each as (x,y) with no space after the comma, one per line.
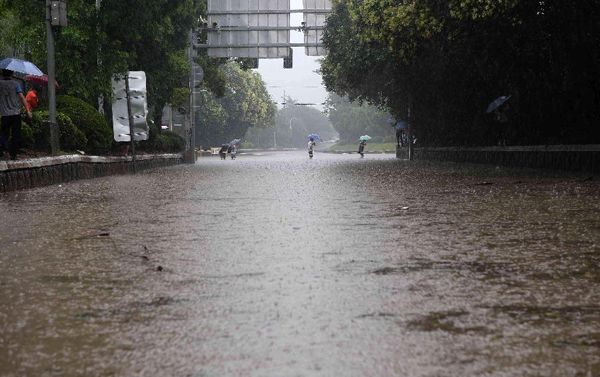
(99,58)
(53,17)
(190,153)
(275,128)
(130,119)
(409,136)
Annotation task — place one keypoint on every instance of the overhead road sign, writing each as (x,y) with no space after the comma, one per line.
(266,45)
(233,22)
(315,15)
(216,12)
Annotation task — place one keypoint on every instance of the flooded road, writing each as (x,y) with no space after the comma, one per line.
(276,265)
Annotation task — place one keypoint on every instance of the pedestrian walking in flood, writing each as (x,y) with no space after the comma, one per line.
(232,150)
(361,148)
(11,101)
(500,108)
(311,147)
(223,151)
(361,145)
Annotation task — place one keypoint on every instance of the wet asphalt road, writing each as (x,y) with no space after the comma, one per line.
(276,265)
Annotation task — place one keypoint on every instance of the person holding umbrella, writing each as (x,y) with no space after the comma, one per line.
(311,147)
(11,100)
(500,108)
(223,151)
(312,141)
(232,150)
(361,145)
(233,146)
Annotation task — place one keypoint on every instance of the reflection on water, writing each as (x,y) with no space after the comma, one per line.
(278,265)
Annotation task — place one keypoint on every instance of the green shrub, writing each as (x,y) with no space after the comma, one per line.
(37,135)
(27,139)
(96,129)
(41,132)
(71,137)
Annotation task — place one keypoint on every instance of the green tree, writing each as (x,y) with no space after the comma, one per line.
(352,119)
(448,60)
(152,36)
(245,103)
(121,35)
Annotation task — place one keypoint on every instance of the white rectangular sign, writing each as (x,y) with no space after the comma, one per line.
(139,106)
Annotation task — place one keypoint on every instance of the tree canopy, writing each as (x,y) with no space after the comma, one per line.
(245,103)
(352,120)
(118,36)
(447,60)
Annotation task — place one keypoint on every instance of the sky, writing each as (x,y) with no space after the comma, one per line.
(301,82)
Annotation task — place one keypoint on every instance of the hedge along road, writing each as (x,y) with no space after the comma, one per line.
(277,265)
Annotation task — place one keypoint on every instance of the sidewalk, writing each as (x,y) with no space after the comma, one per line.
(42,171)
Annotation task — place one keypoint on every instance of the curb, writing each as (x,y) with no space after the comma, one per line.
(579,158)
(44,171)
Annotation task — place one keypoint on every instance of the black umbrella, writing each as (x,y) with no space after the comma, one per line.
(497,103)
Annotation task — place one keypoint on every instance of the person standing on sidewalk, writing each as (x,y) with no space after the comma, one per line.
(11,100)
(32,99)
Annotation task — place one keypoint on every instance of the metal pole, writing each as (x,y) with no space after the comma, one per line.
(54,141)
(130,116)
(191,158)
(99,58)
(409,137)
(290,139)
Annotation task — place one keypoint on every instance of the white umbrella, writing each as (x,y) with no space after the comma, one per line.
(21,66)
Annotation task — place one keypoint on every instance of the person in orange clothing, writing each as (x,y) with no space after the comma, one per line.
(32,99)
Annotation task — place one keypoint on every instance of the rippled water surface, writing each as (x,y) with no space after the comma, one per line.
(276,265)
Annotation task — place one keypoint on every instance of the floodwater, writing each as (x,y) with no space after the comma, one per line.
(277,265)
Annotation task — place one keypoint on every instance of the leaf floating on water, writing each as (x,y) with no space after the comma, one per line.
(384,271)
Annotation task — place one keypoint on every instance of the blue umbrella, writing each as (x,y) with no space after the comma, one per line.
(365,138)
(497,103)
(314,137)
(21,66)
(235,141)
(401,125)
